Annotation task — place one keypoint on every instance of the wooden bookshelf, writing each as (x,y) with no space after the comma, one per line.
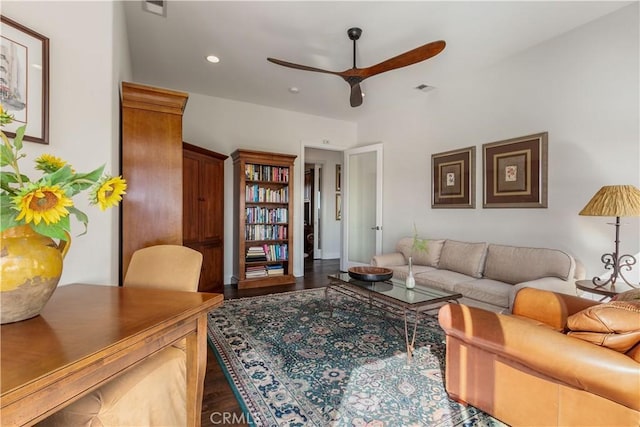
(263,205)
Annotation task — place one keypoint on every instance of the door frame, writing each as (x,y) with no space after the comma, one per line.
(298,262)
(345,264)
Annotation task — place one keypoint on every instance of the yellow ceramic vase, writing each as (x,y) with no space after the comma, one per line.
(30,268)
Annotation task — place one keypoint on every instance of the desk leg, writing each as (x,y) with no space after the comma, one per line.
(196,369)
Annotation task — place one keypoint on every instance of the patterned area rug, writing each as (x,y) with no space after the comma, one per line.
(295,360)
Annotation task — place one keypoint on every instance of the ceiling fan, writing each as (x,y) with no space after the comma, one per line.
(354,76)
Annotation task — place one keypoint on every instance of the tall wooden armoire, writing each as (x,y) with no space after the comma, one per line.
(151,150)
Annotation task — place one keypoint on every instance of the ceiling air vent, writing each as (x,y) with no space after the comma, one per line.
(158,7)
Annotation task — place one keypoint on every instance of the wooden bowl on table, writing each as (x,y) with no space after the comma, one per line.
(370,274)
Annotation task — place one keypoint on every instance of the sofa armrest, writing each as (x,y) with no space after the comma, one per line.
(389,260)
(552,284)
(583,365)
(550,308)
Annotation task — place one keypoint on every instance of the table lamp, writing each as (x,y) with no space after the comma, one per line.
(614,200)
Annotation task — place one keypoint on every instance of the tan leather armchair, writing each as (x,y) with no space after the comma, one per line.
(527,369)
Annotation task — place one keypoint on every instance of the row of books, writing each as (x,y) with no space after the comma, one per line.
(266,173)
(255,193)
(256,253)
(264,271)
(261,215)
(266,232)
(255,271)
(267,253)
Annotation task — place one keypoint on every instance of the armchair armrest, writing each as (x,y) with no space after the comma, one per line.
(582,365)
(550,308)
(389,260)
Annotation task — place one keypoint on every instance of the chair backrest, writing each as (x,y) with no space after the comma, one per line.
(165,267)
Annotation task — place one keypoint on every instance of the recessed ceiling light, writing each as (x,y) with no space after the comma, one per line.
(294,89)
(214,59)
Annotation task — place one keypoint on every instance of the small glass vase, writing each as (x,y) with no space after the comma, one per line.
(410,281)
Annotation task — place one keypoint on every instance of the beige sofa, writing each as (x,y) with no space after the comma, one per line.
(486,274)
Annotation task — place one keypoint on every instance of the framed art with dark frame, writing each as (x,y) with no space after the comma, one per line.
(338,177)
(515,172)
(25,80)
(453,179)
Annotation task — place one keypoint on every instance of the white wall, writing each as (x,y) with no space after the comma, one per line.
(224,126)
(330,235)
(88,56)
(582,87)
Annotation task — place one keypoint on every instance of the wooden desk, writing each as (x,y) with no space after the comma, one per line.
(88,334)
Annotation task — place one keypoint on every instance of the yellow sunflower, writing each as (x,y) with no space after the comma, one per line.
(48,203)
(49,163)
(108,192)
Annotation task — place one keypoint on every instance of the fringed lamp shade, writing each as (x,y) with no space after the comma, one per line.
(614,200)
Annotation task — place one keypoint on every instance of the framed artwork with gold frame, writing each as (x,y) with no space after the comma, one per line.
(515,172)
(453,179)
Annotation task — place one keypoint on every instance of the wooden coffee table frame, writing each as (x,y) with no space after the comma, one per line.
(411,312)
(89,334)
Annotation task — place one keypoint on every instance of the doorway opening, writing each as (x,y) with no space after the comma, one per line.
(322,226)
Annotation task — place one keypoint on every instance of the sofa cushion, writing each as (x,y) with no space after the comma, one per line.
(401,272)
(463,257)
(513,264)
(430,257)
(441,279)
(487,290)
(614,325)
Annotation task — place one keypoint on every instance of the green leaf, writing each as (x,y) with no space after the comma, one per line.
(62,175)
(92,176)
(81,217)
(55,231)
(17,141)
(419,245)
(7,218)
(6,155)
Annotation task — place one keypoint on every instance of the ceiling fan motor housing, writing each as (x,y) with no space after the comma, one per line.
(354,33)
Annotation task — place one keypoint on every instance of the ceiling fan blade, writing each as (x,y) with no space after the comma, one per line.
(404,59)
(356,95)
(300,67)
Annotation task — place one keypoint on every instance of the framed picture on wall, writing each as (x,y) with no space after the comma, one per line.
(453,179)
(338,177)
(24,73)
(338,207)
(515,172)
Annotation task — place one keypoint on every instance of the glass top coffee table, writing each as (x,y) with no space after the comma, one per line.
(393,297)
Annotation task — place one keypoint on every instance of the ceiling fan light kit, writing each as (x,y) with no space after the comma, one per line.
(354,76)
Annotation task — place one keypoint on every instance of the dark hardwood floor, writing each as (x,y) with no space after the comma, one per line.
(219,404)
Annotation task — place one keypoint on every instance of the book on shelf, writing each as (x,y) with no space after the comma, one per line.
(275,270)
(255,271)
(266,173)
(256,253)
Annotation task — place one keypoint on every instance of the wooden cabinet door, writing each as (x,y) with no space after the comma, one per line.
(212,199)
(203,212)
(191,197)
(212,268)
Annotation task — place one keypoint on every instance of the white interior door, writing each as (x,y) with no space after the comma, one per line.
(361,205)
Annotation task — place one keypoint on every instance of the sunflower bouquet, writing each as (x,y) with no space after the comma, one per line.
(45,204)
